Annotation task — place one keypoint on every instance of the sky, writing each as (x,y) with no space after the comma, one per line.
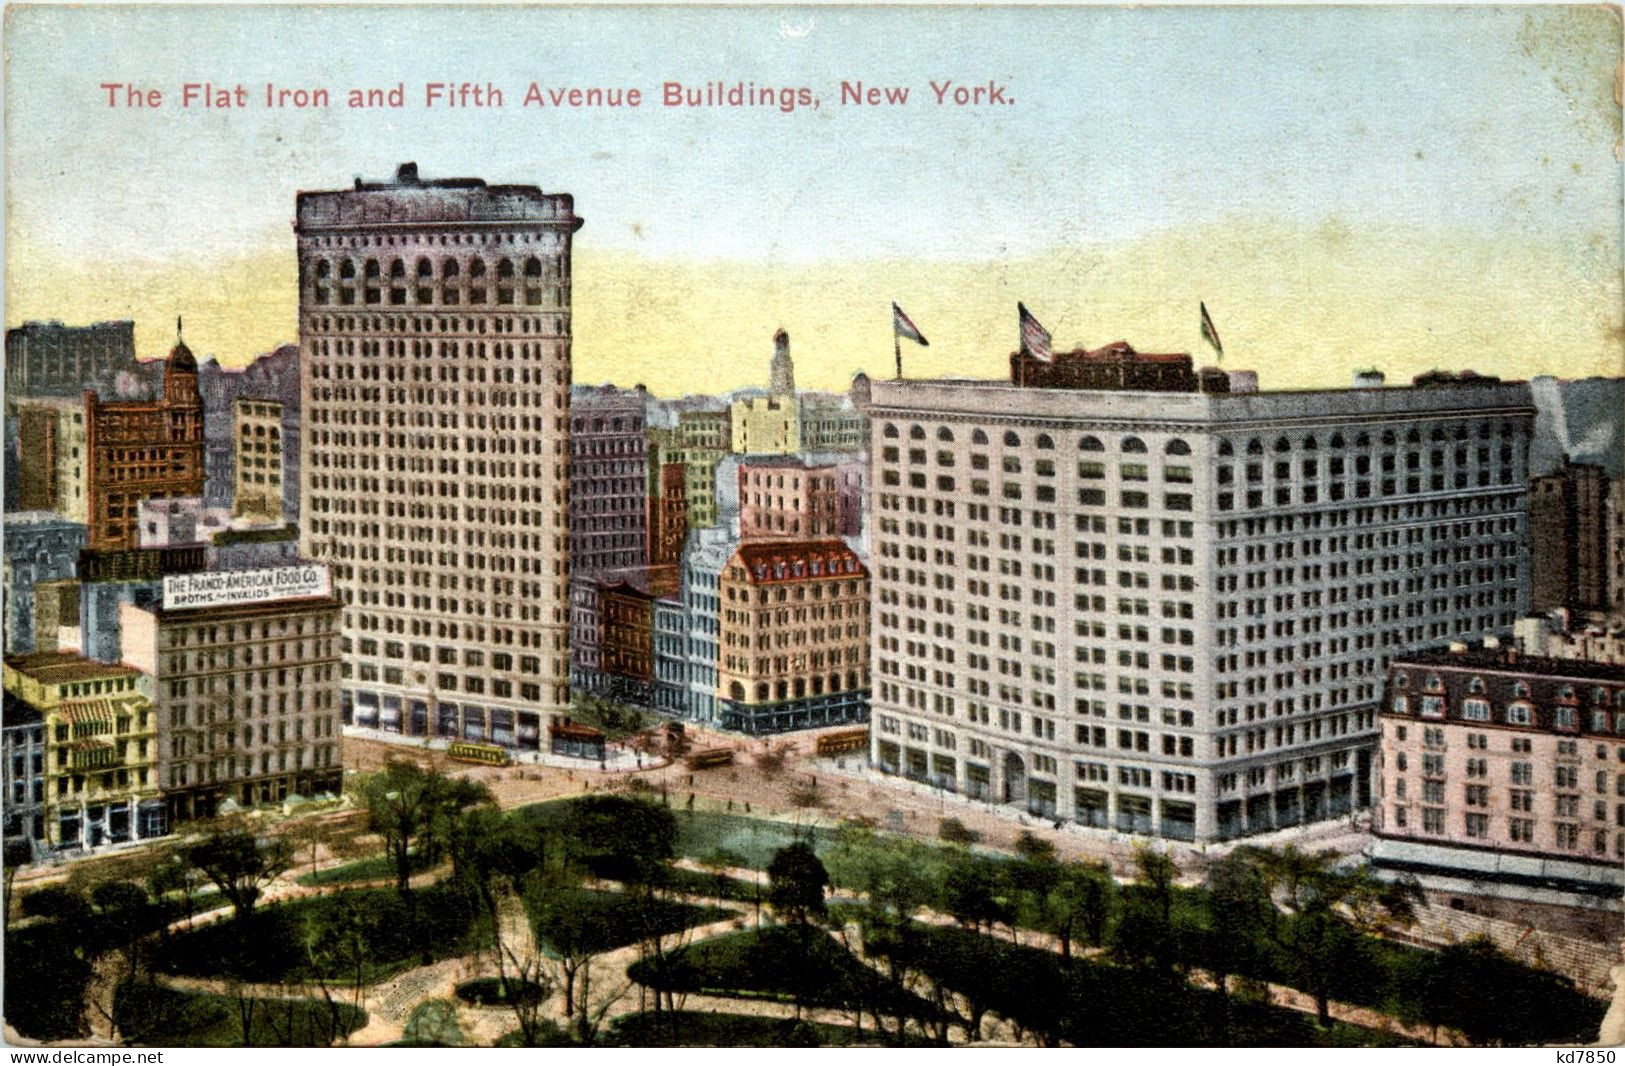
(1343,187)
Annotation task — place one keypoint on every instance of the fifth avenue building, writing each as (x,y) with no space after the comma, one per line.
(434,332)
(1172,612)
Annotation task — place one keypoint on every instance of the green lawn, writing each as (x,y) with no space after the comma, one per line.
(377,868)
(782,963)
(156,1015)
(603,921)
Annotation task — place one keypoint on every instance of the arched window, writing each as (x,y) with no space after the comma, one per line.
(1433,683)
(736,691)
(1177,447)
(1337,441)
(476,281)
(1401,680)
(505,282)
(1044,442)
(425,285)
(889,431)
(397,282)
(449,281)
(1091,444)
(1412,436)
(1134,446)
(1520,690)
(1437,434)
(945,434)
(372,280)
(1476,685)
(1310,444)
(1388,439)
(1225,448)
(1255,447)
(1011,440)
(533,281)
(761,692)
(347,282)
(1282,444)
(835,682)
(916,433)
(978,437)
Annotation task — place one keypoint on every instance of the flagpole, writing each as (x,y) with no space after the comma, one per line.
(897,350)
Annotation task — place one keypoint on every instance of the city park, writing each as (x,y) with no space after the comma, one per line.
(446,905)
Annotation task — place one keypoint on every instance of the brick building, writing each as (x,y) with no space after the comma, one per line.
(1504,774)
(142,449)
(1116,366)
(793,641)
(609,505)
(799,497)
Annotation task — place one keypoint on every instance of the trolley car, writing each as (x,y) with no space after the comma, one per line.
(484,754)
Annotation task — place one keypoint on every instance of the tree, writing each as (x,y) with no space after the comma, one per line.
(1327,909)
(240,865)
(409,806)
(1239,916)
(797,882)
(122,916)
(621,839)
(1072,901)
(974,892)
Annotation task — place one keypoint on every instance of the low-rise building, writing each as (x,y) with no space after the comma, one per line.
(831,423)
(794,637)
(100,735)
(1503,774)
(799,497)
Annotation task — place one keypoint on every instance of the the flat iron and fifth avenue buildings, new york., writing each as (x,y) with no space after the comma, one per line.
(1102,598)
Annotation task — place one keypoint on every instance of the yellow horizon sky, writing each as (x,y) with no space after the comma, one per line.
(1304,306)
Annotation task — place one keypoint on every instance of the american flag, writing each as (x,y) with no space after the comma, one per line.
(1209,333)
(1034,337)
(903,326)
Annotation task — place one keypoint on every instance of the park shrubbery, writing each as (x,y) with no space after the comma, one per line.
(152,1014)
(353,936)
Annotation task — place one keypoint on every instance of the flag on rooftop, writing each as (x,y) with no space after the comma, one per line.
(1034,337)
(903,326)
(1209,333)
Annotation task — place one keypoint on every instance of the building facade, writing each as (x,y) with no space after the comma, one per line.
(1504,774)
(764,425)
(831,424)
(1170,613)
(100,748)
(1614,524)
(435,389)
(799,498)
(51,359)
(54,456)
(247,699)
(1568,534)
(257,470)
(609,502)
(704,558)
(793,644)
(23,729)
(39,546)
(141,450)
